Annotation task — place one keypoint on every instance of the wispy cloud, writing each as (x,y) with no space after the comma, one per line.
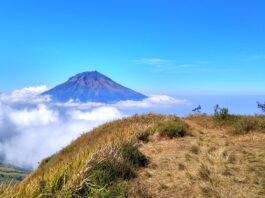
(172,66)
(154,61)
(165,65)
(254,57)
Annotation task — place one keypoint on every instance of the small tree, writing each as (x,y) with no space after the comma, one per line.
(197,109)
(261,106)
(216,110)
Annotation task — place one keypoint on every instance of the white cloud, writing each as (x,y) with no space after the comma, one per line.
(100,114)
(152,101)
(32,127)
(26,95)
(79,105)
(38,116)
(41,131)
(1,113)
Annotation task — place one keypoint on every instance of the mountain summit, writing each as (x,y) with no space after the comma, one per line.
(92,87)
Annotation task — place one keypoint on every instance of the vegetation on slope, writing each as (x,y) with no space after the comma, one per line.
(146,156)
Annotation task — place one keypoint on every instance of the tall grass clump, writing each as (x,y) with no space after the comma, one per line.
(144,135)
(172,129)
(133,156)
(248,124)
(106,171)
(108,175)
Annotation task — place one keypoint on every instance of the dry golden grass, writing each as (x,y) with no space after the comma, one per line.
(210,162)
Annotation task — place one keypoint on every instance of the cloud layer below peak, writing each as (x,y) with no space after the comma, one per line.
(32,127)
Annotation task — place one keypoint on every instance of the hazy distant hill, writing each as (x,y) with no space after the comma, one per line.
(9,173)
(92,87)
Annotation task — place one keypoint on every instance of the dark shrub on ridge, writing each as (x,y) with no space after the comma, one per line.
(133,156)
(105,172)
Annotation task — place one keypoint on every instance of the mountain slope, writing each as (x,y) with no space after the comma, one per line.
(133,157)
(92,87)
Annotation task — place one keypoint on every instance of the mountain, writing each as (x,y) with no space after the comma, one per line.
(155,156)
(92,87)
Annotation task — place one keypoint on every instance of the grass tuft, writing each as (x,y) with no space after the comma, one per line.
(195,149)
(181,166)
(172,129)
(204,172)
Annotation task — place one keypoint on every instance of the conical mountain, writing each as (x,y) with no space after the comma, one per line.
(92,87)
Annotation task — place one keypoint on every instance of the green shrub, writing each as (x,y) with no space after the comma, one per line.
(173,129)
(108,175)
(221,113)
(105,172)
(223,118)
(247,125)
(262,125)
(133,156)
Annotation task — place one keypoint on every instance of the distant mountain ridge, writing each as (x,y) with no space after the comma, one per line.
(92,87)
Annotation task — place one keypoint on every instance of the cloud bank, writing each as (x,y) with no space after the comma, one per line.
(32,127)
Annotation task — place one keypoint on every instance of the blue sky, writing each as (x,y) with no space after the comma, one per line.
(170,47)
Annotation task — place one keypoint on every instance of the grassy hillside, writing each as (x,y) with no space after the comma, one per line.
(156,156)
